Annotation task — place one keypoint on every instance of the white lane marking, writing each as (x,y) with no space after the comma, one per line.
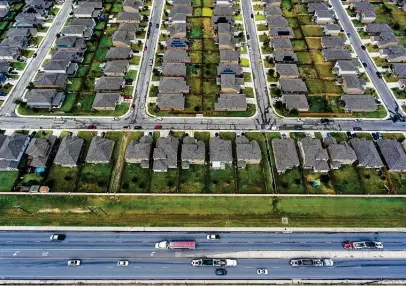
(164,266)
(45,253)
(152,253)
(276,267)
(248,267)
(357,267)
(137,267)
(15,253)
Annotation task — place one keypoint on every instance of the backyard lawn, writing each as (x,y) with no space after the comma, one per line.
(346,181)
(193,180)
(290,182)
(135,179)
(165,182)
(62,179)
(222,181)
(94,178)
(7,179)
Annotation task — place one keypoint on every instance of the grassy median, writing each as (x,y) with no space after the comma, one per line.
(201,211)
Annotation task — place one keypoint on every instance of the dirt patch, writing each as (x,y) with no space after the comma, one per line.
(54,211)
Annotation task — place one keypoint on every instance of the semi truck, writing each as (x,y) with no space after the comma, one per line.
(175,244)
(214,262)
(362,244)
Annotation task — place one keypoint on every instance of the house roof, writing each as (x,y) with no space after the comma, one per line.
(393,154)
(175,69)
(176,56)
(139,150)
(292,85)
(353,65)
(285,44)
(106,100)
(341,153)
(287,70)
(176,28)
(336,54)
(178,43)
(359,102)
(69,151)
(385,38)
(172,85)
(193,149)
(109,83)
(166,152)
(229,56)
(170,101)
(273,10)
(73,56)
(71,41)
(353,81)
(129,27)
(285,152)
(181,9)
(12,146)
(53,65)
(363,6)
(332,27)
(220,150)
(124,37)
(236,102)
(119,53)
(4,66)
(281,32)
(247,150)
(366,153)
(332,42)
(83,22)
(325,14)
(285,56)
(235,69)
(51,79)
(399,70)
(378,28)
(230,81)
(368,14)
(40,95)
(278,21)
(314,155)
(15,41)
(295,101)
(223,11)
(125,16)
(100,150)
(311,7)
(9,52)
(120,66)
(393,52)
(39,149)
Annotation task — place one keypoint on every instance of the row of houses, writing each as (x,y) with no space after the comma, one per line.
(321,156)
(165,153)
(230,74)
(173,86)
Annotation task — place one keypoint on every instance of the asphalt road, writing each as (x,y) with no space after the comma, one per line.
(93,245)
(171,269)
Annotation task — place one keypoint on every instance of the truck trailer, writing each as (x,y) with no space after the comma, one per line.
(176,244)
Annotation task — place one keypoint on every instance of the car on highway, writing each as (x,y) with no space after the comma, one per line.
(91,126)
(325,120)
(221,271)
(362,244)
(213,236)
(357,128)
(57,237)
(74,262)
(358,120)
(158,127)
(122,263)
(137,127)
(34,55)
(298,127)
(262,271)
(311,262)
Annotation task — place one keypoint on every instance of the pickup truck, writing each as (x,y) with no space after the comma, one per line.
(214,262)
(362,245)
(311,262)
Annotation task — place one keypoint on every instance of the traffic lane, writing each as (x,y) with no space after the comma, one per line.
(181,269)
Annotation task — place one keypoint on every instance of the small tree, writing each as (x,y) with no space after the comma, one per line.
(294,112)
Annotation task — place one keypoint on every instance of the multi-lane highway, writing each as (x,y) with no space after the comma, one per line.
(31,255)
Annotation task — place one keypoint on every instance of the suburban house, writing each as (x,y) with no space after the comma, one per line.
(332,42)
(177,44)
(60,66)
(352,84)
(69,151)
(38,151)
(399,70)
(132,6)
(44,98)
(375,29)
(368,156)
(80,31)
(273,11)
(394,54)
(340,154)
(177,30)
(106,101)
(73,56)
(362,6)
(109,83)
(324,17)
(174,70)
(278,21)
(366,17)
(229,57)
(70,43)
(347,67)
(122,39)
(139,152)
(234,69)
(88,9)
(176,56)
(285,57)
(19,42)
(229,83)
(292,85)
(193,152)
(170,101)
(248,152)
(359,103)
(12,149)
(51,80)
(221,153)
(100,150)
(384,40)
(129,18)
(121,53)
(173,85)
(317,6)
(285,154)
(9,54)
(165,154)
(281,44)
(226,42)
(287,70)
(296,101)
(281,32)
(90,23)
(336,54)
(231,102)
(116,68)
(314,156)
(331,30)
(393,154)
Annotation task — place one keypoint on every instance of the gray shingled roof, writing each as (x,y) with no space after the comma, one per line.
(294,85)
(100,150)
(116,67)
(51,79)
(139,150)
(281,44)
(247,150)
(39,150)
(119,53)
(13,146)
(332,42)
(172,85)
(176,56)
(109,83)
(341,153)
(106,100)
(285,153)
(174,69)
(166,153)
(295,101)
(69,151)
(399,70)
(229,56)
(362,102)
(314,156)
(40,95)
(366,153)
(393,154)
(235,69)
(193,149)
(284,56)
(290,70)
(336,54)
(349,66)
(170,101)
(231,102)
(220,150)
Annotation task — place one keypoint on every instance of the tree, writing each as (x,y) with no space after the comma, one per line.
(294,112)
(278,104)
(266,43)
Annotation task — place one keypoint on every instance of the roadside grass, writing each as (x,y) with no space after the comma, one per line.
(62,179)
(166,182)
(7,179)
(135,179)
(193,180)
(94,178)
(202,211)
(346,181)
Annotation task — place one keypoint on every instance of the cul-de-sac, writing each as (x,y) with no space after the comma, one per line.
(204,113)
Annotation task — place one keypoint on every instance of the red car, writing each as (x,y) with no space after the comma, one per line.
(158,127)
(132,106)
(145,48)
(92,126)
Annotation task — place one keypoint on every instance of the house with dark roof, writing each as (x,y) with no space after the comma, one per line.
(193,152)
(324,17)
(109,83)
(352,84)
(394,54)
(139,152)
(340,154)
(318,6)
(281,32)
(38,151)
(221,153)
(366,17)
(12,149)
(296,101)
(177,44)
(132,6)
(384,40)
(287,70)
(314,156)
(368,156)
(170,101)
(69,151)
(336,54)
(292,85)
(173,85)
(347,67)
(377,28)
(278,21)
(106,101)
(285,57)
(20,42)
(331,29)
(51,80)
(60,66)
(80,31)
(100,150)
(44,98)
(177,30)
(229,57)
(165,154)
(281,44)
(116,68)
(119,54)
(231,102)
(9,54)
(122,39)
(70,43)
(234,69)
(335,42)
(359,103)
(176,56)
(285,154)
(174,70)
(226,42)
(73,56)
(229,83)
(273,11)
(393,154)
(399,70)
(248,152)
(129,18)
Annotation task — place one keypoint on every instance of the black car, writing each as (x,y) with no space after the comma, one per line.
(364,64)
(349,135)
(137,127)
(34,55)
(363,47)
(221,271)
(298,127)
(149,24)
(157,25)
(357,128)
(324,120)
(57,237)
(378,74)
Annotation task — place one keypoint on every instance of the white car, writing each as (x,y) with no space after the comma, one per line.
(57,237)
(213,236)
(75,262)
(122,263)
(262,271)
